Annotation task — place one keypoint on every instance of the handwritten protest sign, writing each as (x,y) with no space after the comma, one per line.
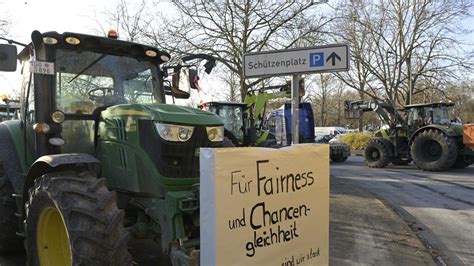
(265,206)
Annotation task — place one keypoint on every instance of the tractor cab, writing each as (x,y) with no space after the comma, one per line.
(420,115)
(234,117)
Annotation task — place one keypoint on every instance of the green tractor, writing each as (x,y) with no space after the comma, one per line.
(424,134)
(238,130)
(97,157)
(244,122)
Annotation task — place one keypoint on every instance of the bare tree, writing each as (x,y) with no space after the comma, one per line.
(4,27)
(231,80)
(320,89)
(396,44)
(227,29)
(130,20)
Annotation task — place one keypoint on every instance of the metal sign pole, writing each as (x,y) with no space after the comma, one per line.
(295,102)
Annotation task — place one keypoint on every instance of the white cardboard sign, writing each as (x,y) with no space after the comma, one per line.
(262,206)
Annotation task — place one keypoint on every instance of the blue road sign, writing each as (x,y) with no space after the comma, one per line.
(316,59)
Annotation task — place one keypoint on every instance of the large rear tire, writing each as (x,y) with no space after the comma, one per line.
(339,158)
(376,154)
(9,241)
(432,150)
(73,219)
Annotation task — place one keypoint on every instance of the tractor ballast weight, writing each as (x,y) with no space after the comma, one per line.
(98,156)
(425,134)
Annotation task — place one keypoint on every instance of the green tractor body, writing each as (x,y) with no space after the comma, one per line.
(98,152)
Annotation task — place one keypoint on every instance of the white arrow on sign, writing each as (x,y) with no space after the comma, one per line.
(330,58)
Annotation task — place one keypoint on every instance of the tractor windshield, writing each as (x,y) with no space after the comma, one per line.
(86,80)
(441,115)
(232,116)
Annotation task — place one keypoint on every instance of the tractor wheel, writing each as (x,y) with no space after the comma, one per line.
(376,154)
(432,150)
(400,161)
(338,158)
(73,219)
(9,241)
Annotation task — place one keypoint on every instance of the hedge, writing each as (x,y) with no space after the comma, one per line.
(357,141)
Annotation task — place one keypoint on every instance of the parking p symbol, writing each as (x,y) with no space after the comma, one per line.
(316,59)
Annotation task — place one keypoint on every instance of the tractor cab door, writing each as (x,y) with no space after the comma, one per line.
(73,98)
(416,119)
(27,112)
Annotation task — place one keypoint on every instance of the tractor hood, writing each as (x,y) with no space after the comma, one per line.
(168,113)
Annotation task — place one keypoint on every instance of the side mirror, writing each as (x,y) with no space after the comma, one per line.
(8,59)
(180,83)
(192,76)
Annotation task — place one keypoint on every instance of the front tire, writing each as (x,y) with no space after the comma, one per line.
(376,154)
(73,219)
(9,241)
(432,150)
(339,158)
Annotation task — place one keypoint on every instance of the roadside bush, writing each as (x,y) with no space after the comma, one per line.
(357,141)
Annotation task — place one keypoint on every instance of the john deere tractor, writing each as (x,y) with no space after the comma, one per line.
(422,133)
(97,156)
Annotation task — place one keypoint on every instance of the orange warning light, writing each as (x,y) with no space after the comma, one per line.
(112,34)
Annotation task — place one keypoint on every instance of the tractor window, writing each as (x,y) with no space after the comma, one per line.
(27,90)
(441,115)
(78,97)
(414,117)
(88,80)
(233,121)
(138,89)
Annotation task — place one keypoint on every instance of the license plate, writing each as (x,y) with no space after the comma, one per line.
(40,67)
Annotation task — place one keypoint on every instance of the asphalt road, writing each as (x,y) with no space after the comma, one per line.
(438,206)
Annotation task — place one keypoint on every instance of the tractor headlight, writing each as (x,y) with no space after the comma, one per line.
(215,134)
(172,132)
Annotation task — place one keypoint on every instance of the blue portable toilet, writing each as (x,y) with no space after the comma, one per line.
(306,123)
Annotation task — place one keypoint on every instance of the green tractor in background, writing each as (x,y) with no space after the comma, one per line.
(97,156)
(424,134)
(244,123)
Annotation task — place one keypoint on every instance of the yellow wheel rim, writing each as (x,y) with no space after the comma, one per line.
(52,239)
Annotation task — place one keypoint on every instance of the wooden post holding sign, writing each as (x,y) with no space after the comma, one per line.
(263,206)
